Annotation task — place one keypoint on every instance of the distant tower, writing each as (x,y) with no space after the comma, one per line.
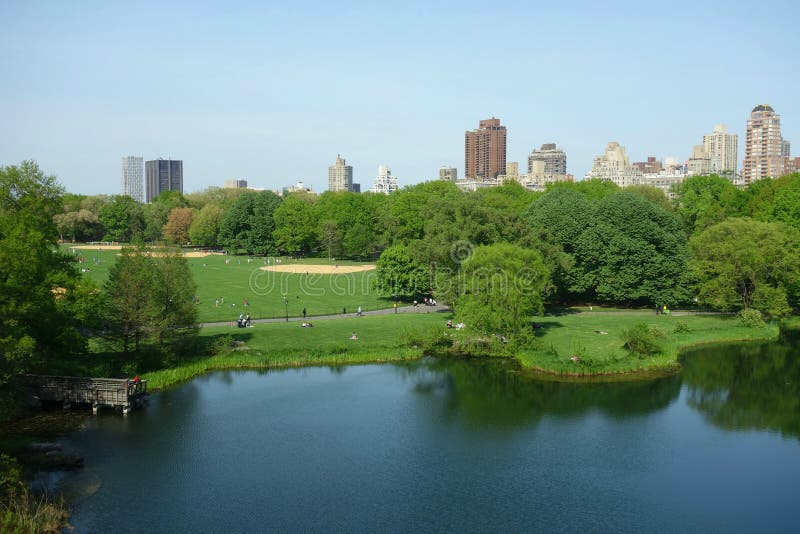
(448,173)
(163,175)
(723,150)
(763,145)
(385,183)
(554,159)
(133,177)
(340,176)
(485,151)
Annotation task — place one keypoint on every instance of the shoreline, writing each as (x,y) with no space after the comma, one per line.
(167,378)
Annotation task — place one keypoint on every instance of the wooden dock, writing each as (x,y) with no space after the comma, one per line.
(68,390)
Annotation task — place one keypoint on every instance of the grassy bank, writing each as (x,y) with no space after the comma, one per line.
(568,344)
(592,344)
(380,339)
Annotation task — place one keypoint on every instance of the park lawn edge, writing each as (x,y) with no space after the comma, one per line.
(667,362)
(170,377)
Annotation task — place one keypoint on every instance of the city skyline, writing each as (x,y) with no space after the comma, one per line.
(78,97)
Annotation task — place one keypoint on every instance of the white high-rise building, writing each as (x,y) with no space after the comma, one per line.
(385,183)
(133,177)
(722,149)
(614,166)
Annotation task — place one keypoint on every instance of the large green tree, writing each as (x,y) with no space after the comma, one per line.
(249,225)
(742,263)
(401,274)
(123,219)
(205,226)
(500,286)
(296,225)
(776,200)
(37,281)
(150,300)
(706,200)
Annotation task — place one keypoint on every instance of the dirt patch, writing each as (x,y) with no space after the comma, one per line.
(318,269)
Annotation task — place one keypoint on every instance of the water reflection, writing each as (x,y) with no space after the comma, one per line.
(492,393)
(753,386)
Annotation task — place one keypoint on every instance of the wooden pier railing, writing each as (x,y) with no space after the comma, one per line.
(114,392)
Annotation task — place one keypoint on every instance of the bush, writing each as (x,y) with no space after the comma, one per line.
(681,326)
(641,340)
(751,318)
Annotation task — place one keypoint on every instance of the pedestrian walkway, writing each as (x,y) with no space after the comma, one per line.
(421,308)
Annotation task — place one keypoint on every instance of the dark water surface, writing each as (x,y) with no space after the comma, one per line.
(455,446)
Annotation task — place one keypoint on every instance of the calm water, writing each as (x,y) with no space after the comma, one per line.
(454,446)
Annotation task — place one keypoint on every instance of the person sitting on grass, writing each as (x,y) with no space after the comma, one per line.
(354,336)
(305,324)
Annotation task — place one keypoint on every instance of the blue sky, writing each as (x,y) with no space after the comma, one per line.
(272,92)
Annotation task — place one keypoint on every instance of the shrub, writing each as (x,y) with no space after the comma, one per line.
(751,318)
(640,340)
(681,326)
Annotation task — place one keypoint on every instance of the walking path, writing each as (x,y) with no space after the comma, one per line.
(386,311)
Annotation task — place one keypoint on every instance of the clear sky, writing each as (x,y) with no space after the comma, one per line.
(271,92)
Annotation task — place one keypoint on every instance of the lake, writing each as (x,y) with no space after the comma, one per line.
(456,445)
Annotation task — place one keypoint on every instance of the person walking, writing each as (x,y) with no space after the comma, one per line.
(304,313)
(358,312)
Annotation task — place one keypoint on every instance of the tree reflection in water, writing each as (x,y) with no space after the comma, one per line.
(742,387)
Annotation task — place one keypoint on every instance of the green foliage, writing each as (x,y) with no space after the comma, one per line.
(400,274)
(150,301)
(205,226)
(681,327)
(751,318)
(248,225)
(741,263)
(592,190)
(34,274)
(123,219)
(296,225)
(706,200)
(499,288)
(776,200)
(176,229)
(157,213)
(641,340)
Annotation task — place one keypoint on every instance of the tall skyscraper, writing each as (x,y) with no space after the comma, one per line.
(553,166)
(485,151)
(722,149)
(385,183)
(340,176)
(163,175)
(133,177)
(448,173)
(763,145)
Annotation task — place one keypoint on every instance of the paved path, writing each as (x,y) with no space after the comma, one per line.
(386,311)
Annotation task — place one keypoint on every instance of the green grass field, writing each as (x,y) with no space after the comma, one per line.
(564,336)
(393,338)
(222,288)
(381,338)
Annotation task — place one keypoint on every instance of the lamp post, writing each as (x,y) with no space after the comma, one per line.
(286,307)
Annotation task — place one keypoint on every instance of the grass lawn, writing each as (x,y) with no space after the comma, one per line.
(222,288)
(381,338)
(564,336)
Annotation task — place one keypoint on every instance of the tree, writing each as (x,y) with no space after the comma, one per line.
(706,200)
(249,223)
(741,263)
(295,225)
(81,225)
(205,225)
(34,274)
(176,230)
(500,287)
(157,213)
(400,274)
(632,251)
(776,200)
(150,300)
(122,219)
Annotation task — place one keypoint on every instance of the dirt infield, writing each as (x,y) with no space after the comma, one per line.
(318,269)
(193,254)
